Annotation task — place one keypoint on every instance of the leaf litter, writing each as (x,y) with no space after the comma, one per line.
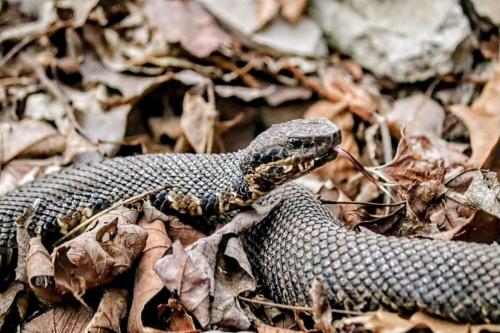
(81,80)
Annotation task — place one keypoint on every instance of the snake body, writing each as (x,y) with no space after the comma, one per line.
(298,241)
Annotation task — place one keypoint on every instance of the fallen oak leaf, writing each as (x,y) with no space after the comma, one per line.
(21,171)
(97,256)
(40,272)
(147,283)
(192,26)
(179,319)
(68,319)
(322,313)
(197,274)
(112,309)
(190,277)
(7,299)
(387,322)
(482,119)
(27,137)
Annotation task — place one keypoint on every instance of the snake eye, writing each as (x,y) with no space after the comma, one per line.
(296,143)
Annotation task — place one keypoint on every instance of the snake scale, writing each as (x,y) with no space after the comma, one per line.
(298,240)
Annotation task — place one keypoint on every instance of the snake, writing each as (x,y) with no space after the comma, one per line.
(298,241)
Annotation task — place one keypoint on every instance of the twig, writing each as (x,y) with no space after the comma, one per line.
(18,47)
(109,209)
(294,307)
(247,78)
(387,149)
(336,202)
(325,93)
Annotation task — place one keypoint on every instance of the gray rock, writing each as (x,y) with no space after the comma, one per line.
(404,40)
(489,9)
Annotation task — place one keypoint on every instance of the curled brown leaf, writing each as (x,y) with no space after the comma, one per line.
(97,256)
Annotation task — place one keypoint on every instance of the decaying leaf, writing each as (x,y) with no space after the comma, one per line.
(191,25)
(482,119)
(420,158)
(100,254)
(147,283)
(189,277)
(41,272)
(291,10)
(70,319)
(7,299)
(322,313)
(416,114)
(267,10)
(104,127)
(208,283)
(21,171)
(263,328)
(25,138)
(130,86)
(46,16)
(200,123)
(112,309)
(484,192)
(387,322)
(179,319)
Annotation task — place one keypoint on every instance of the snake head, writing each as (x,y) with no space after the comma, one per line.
(288,150)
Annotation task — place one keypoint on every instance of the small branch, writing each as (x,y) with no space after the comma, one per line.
(18,47)
(294,307)
(247,78)
(325,93)
(335,202)
(109,209)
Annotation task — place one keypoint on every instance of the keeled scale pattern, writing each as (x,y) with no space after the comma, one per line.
(98,185)
(301,240)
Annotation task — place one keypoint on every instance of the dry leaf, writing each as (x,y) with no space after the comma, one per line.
(484,192)
(387,322)
(416,114)
(185,233)
(322,313)
(421,158)
(80,8)
(190,277)
(25,138)
(41,272)
(267,10)
(147,283)
(67,319)
(198,275)
(21,171)
(179,319)
(7,299)
(482,119)
(198,122)
(108,126)
(341,169)
(263,328)
(192,26)
(98,255)
(130,86)
(46,14)
(291,10)
(112,309)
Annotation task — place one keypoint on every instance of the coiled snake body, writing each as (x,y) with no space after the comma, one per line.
(298,241)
